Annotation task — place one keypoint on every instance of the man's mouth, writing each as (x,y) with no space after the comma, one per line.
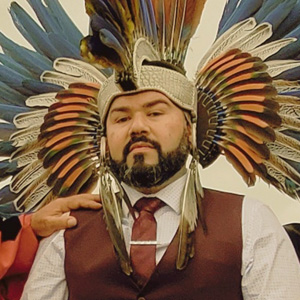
(140,145)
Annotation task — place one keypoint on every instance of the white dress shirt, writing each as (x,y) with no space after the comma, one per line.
(270,268)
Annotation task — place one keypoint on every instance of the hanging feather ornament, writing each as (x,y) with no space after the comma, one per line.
(191,210)
(111,194)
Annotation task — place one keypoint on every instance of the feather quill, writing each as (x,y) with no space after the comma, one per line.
(110,193)
(188,219)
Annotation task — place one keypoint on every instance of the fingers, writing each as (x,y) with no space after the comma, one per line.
(54,216)
(71,222)
(74,202)
(52,224)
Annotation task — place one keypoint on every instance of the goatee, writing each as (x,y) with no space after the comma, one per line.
(141,175)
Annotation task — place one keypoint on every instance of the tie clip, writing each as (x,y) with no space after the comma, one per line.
(143,243)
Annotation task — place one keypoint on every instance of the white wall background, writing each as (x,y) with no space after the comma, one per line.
(220,175)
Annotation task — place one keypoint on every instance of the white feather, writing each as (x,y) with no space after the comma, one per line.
(27,119)
(79,69)
(24,136)
(284,86)
(283,167)
(46,99)
(284,152)
(28,158)
(291,110)
(254,38)
(290,122)
(59,78)
(224,42)
(264,51)
(287,140)
(276,67)
(34,194)
(26,176)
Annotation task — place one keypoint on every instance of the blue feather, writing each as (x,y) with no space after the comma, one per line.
(292,187)
(11,96)
(45,17)
(38,87)
(10,63)
(6,130)
(146,18)
(66,49)
(246,9)
(71,31)
(7,168)
(275,13)
(7,207)
(292,74)
(32,61)
(291,51)
(8,112)
(105,9)
(289,24)
(6,148)
(32,32)
(13,79)
(227,12)
(108,39)
(292,133)
(98,23)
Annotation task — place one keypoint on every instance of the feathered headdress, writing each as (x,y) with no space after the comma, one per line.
(243,103)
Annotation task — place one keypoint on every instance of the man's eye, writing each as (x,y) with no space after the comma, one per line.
(122,120)
(154,113)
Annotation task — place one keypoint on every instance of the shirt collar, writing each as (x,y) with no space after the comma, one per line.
(171,194)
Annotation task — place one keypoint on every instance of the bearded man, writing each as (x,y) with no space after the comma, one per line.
(240,253)
(141,130)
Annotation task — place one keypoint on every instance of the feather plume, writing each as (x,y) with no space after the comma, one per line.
(27,135)
(276,67)
(188,219)
(111,195)
(267,50)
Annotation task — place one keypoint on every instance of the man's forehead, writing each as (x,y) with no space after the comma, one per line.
(144,98)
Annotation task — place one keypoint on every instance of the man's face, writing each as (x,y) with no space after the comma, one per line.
(146,132)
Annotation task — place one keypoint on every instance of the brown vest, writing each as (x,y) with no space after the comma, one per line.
(93,272)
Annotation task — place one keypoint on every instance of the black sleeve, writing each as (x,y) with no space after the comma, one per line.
(293,231)
(10,228)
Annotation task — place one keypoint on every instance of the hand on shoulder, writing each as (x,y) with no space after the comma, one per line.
(54,216)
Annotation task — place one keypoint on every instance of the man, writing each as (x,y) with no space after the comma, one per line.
(160,235)
(139,149)
(19,239)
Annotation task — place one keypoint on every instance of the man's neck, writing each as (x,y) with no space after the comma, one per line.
(155,189)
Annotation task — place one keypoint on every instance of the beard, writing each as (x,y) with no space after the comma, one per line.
(141,175)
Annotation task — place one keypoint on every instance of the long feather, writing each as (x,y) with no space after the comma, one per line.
(224,42)
(111,201)
(243,11)
(27,119)
(269,49)
(276,67)
(24,136)
(188,219)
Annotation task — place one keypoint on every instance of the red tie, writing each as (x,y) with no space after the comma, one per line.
(143,239)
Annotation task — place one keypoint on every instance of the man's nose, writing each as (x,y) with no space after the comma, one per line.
(139,125)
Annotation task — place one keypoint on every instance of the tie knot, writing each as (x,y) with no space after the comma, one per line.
(150,205)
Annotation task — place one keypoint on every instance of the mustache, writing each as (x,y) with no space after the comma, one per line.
(141,138)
